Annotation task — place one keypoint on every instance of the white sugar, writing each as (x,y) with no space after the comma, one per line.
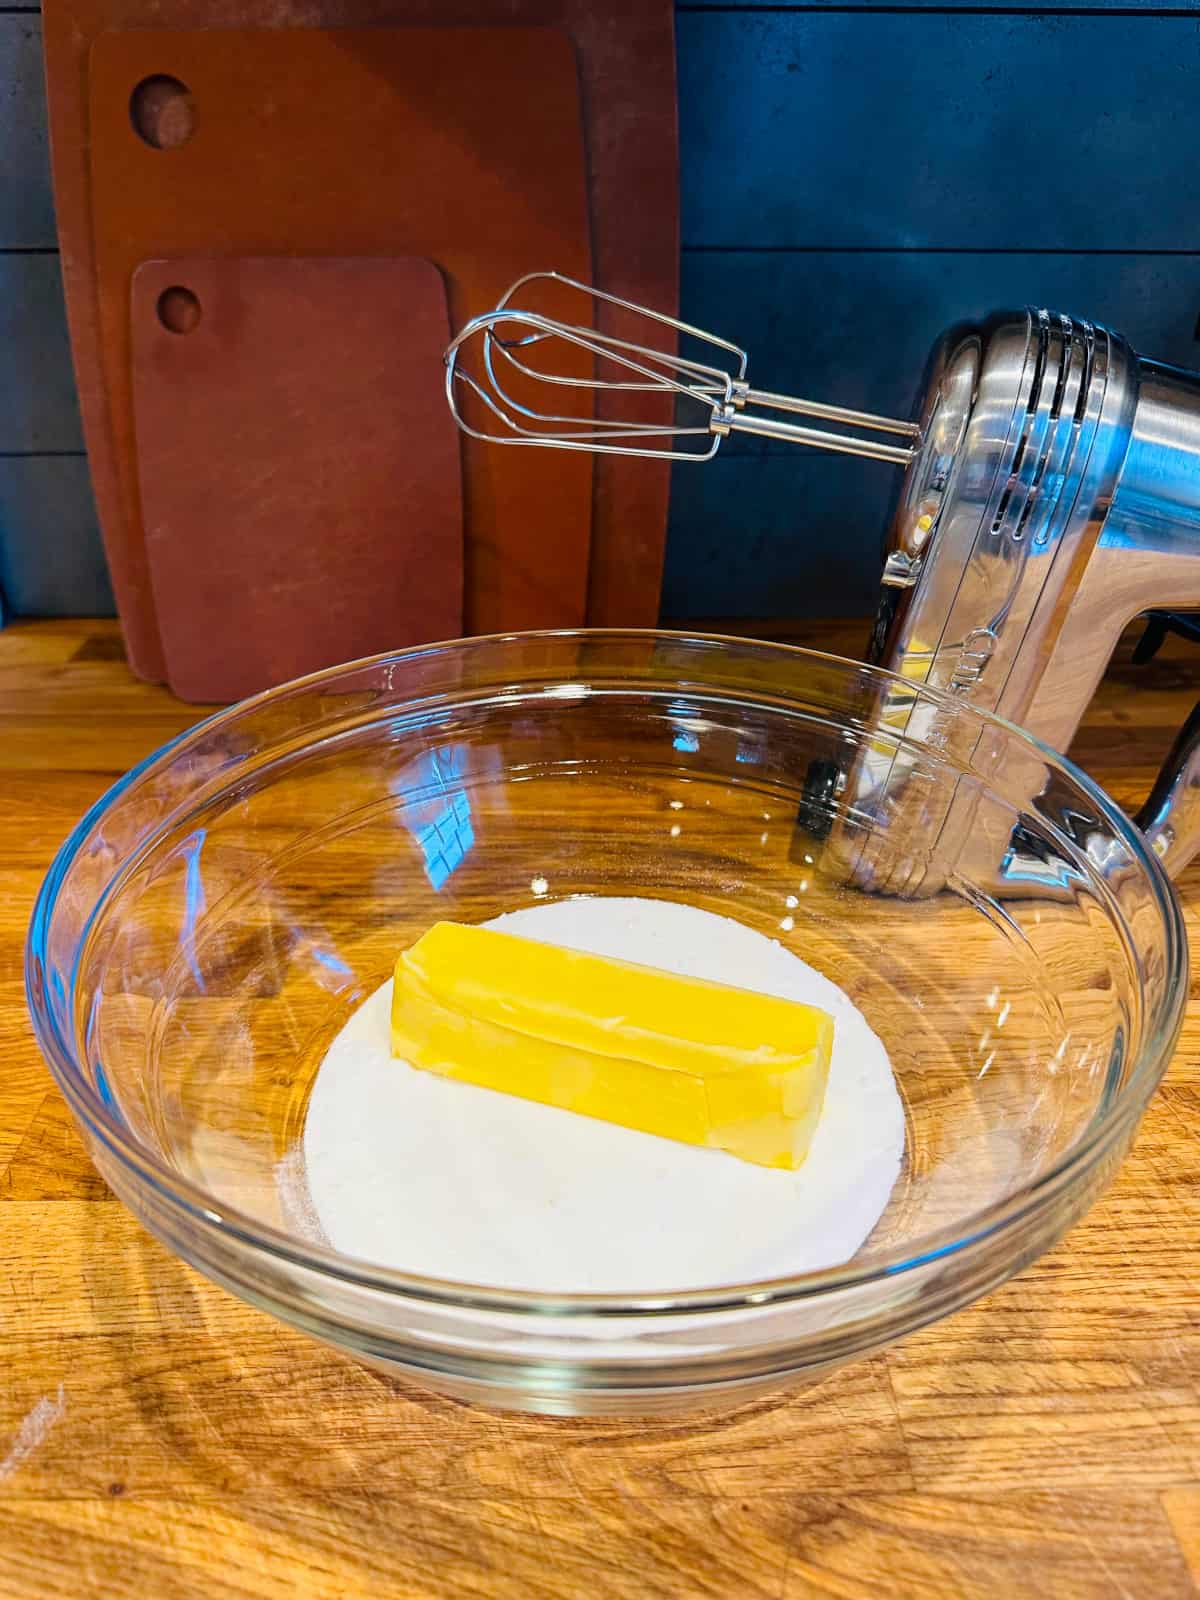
(415,1172)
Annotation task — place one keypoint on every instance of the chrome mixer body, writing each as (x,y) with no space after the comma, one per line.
(1054,497)
(1051,494)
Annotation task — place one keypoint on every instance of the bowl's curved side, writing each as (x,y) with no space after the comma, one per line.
(198,880)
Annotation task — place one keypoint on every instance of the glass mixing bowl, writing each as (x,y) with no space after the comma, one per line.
(215,918)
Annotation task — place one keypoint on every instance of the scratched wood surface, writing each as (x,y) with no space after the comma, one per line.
(160,1439)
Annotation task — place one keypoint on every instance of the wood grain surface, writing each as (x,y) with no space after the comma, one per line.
(160,1439)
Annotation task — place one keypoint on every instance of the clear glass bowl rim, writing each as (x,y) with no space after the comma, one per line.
(192,1203)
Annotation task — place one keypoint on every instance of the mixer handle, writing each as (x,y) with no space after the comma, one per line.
(1170,818)
(1158,625)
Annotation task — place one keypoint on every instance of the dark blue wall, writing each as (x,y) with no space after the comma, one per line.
(854,178)
(50,554)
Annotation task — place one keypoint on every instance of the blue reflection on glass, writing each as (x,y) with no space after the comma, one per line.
(446,840)
(441,825)
(1031,859)
(687,742)
(102,1089)
(194,902)
(332,963)
(89,1032)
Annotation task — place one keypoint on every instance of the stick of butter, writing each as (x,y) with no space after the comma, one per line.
(700,1062)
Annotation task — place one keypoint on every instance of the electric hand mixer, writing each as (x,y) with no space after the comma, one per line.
(1051,494)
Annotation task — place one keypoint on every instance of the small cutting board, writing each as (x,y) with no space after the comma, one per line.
(300,489)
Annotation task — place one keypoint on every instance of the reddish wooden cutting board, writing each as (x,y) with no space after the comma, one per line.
(627,73)
(360,141)
(300,495)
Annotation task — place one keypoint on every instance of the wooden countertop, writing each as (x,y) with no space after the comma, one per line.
(160,1439)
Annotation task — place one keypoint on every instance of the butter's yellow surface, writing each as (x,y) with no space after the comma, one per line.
(699,1062)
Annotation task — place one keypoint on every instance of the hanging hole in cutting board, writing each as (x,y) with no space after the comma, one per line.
(163,112)
(178,310)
